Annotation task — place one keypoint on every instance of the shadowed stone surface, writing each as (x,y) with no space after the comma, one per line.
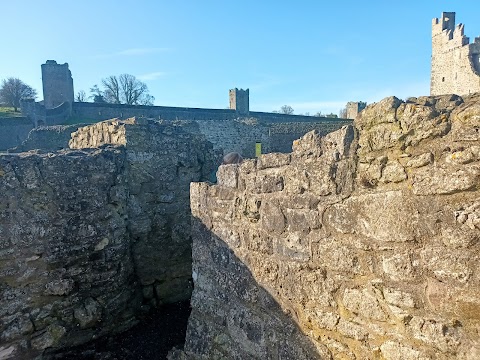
(91,238)
(367,239)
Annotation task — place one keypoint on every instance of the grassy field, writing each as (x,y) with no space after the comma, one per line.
(8,112)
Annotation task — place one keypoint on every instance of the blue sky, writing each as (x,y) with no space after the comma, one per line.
(311,55)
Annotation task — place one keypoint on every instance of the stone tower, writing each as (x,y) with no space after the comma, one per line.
(455,62)
(354,107)
(57,84)
(239,100)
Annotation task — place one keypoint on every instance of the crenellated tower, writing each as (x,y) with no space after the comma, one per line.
(239,100)
(455,66)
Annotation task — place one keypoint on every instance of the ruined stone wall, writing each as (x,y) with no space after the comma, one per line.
(282,135)
(89,238)
(66,273)
(223,127)
(13,131)
(363,244)
(47,138)
(238,135)
(455,62)
(161,162)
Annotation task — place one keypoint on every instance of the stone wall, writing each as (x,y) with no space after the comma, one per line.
(282,135)
(455,62)
(223,127)
(363,244)
(13,131)
(89,238)
(100,111)
(65,265)
(161,162)
(47,138)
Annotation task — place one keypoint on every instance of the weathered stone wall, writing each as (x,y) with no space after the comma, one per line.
(367,240)
(98,111)
(239,135)
(13,131)
(223,127)
(66,273)
(47,138)
(161,162)
(282,135)
(455,62)
(89,238)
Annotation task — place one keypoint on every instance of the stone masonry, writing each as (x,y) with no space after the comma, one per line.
(455,62)
(90,238)
(57,84)
(161,162)
(239,100)
(362,244)
(354,107)
(66,274)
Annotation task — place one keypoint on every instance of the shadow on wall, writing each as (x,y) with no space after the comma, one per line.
(232,315)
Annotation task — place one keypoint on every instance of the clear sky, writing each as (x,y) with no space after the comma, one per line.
(313,55)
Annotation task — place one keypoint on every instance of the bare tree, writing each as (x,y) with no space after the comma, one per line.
(111,92)
(286,109)
(81,96)
(343,113)
(13,90)
(124,89)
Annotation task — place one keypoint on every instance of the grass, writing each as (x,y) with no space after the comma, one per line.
(73,120)
(8,112)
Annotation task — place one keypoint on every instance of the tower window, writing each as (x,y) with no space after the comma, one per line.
(443,79)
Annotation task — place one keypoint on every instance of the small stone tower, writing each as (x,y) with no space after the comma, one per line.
(455,62)
(239,101)
(57,84)
(354,108)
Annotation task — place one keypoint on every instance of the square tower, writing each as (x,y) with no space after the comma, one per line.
(239,101)
(353,108)
(57,84)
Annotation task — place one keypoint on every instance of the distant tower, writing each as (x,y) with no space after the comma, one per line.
(239,101)
(354,108)
(455,62)
(57,84)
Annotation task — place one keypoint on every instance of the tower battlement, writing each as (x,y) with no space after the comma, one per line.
(239,100)
(455,61)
